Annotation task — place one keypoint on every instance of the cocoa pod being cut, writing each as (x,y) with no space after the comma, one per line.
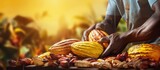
(95,35)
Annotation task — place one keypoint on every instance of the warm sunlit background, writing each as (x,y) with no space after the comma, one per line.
(49,13)
(29,27)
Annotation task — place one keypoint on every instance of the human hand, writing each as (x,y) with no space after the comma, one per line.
(116,45)
(86,32)
(100,26)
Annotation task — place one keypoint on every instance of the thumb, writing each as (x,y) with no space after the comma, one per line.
(104,40)
(100,26)
(86,32)
(106,52)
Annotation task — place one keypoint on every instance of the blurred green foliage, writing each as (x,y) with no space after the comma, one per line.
(122,26)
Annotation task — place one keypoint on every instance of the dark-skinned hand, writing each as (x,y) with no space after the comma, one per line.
(100,26)
(116,45)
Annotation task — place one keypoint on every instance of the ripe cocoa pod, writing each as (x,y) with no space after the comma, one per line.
(96,35)
(45,56)
(87,49)
(62,47)
(150,51)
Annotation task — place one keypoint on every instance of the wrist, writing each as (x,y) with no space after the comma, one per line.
(107,27)
(101,26)
(125,37)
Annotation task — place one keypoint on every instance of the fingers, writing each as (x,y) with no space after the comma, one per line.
(107,51)
(83,38)
(100,26)
(92,27)
(104,40)
(116,44)
(86,33)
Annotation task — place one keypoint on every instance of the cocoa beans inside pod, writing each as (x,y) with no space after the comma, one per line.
(62,47)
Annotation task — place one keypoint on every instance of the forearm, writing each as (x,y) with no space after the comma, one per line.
(149,30)
(110,23)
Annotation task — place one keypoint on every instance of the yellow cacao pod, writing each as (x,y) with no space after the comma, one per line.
(87,49)
(150,51)
(96,35)
(62,47)
(44,55)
